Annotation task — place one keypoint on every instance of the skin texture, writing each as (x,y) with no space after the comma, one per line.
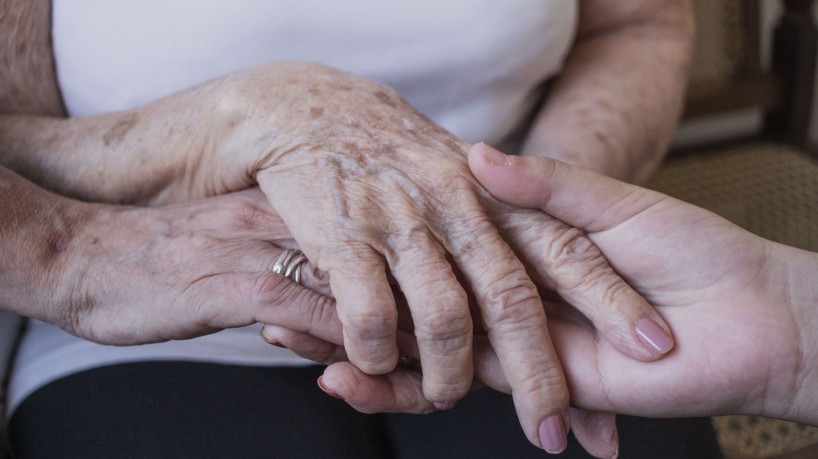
(742,307)
(616,103)
(373,190)
(231,134)
(124,275)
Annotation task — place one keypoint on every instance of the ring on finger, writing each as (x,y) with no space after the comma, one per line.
(289,264)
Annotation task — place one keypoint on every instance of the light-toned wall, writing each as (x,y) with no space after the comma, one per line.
(714,128)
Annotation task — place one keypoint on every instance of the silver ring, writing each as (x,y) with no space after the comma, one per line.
(289,264)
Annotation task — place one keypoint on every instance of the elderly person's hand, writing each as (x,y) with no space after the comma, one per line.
(743,308)
(370,189)
(125,275)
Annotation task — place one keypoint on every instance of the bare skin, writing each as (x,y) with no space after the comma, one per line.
(743,307)
(616,103)
(230,145)
(124,275)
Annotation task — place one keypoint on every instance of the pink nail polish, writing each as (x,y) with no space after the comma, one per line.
(326,389)
(653,336)
(443,406)
(494,157)
(553,437)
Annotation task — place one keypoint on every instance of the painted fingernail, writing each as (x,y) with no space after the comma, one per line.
(553,437)
(494,157)
(326,389)
(443,406)
(653,336)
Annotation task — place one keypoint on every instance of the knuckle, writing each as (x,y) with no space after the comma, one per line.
(547,384)
(444,324)
(472,233)
(573,260)
(513,304)
(570,246)
(449,392)
(371,326)
(314,279)
(371,366)
(616,295)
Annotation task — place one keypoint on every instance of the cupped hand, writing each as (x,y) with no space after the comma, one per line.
(727,294)
(720,288)
(141,275)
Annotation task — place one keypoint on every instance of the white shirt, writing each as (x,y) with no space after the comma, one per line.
(473,66)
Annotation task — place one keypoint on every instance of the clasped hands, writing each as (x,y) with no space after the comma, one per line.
(377,195)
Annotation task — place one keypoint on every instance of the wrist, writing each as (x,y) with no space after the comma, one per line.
(38,243)
(801,284)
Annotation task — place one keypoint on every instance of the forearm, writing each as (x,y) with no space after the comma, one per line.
(147,155)
(37,234)
(29,82)
(108,158)
(66,156)
(616,104)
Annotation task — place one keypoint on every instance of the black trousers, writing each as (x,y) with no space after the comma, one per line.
(202,410)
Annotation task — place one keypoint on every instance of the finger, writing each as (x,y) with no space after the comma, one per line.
(366,308)
(513,316)
(596,432)
(357,275)
(239,299)
(441,317)
(563,258)
(579,197)
(568,261)
(304,344)
(400,391)
(487,368)
(311,277)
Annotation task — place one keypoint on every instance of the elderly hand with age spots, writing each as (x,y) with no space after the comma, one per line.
(742,308)
(370,188)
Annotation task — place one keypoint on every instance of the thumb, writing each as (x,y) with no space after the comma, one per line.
(577,196)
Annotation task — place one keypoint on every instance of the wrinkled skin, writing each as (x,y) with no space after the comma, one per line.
(741,307)
(147,275)
(371,189)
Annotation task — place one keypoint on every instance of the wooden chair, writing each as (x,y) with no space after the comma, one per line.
(765,179)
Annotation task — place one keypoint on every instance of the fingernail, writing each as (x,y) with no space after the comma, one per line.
(326,389)
(553,437)
(270,340)
(653,336)
(443,406)
(495,157)
(614,442)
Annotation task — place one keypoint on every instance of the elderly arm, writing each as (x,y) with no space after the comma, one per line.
(123,275)
(615,106)
(370,188)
